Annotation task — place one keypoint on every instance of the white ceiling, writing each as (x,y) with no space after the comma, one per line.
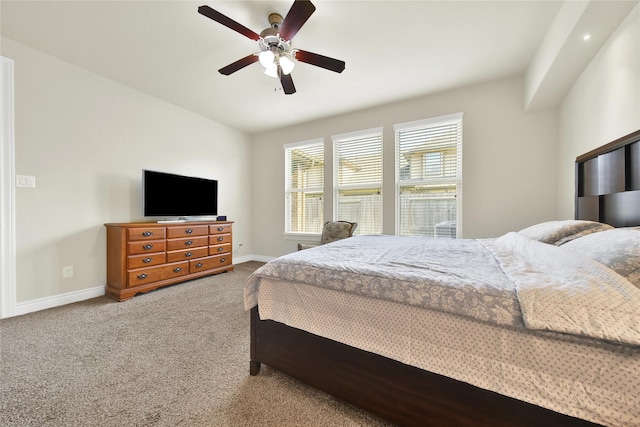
(393,50)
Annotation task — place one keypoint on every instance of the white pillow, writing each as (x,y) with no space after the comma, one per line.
(618,249)
(561,232)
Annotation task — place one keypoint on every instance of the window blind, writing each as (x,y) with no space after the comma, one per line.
(304,187)
(357,166)
(429,176)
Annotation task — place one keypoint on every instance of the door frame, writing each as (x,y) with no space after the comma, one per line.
(7,191)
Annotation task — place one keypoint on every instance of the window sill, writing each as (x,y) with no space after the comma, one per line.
(305,237)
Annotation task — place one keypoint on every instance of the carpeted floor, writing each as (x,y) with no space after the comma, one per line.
(178,356)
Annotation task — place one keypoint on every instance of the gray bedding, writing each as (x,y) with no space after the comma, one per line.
(490,280)
(458,276)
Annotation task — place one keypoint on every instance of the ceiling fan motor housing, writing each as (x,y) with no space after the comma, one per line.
(270,38)
(275,20)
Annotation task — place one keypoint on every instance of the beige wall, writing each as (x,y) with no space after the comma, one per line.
(509,173)
(86,139)
(603,105)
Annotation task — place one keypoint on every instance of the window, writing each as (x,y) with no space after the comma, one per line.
(357,173)
(304,187)
(429,176)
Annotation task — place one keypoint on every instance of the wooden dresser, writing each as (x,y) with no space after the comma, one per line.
(143,256)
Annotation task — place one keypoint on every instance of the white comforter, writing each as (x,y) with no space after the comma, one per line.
(511,280)
(563,291)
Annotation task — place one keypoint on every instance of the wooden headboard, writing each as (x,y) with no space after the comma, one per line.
(608,183)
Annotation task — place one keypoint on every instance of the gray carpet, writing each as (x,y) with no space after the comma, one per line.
(178,356)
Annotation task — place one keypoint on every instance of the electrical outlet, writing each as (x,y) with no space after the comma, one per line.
(239,246)
(67,271)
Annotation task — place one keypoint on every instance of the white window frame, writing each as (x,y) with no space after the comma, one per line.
(288,190)
(457,180)
(340,138)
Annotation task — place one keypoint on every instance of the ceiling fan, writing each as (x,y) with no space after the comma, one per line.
(276,53)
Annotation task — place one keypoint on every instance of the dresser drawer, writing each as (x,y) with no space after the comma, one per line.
(188,243)
(223,260)
(219,239)
(220,229)
(202,264)
(147,260)
(187,254)
(187,231)
(220,249)
(143,276)
(151,233)
(209,263)
(143,247)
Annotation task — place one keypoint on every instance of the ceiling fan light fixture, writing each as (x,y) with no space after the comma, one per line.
(287,65)
(272,70)
(266,58)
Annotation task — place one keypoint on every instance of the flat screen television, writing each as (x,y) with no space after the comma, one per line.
(170,195)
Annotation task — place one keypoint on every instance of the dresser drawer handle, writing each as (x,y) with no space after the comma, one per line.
(147,260)
(177,269)
(147,233)
(199,265)
(188,231)
(220,249)
(142,276)
(220,228)
(189,242)
(147,246)
(188,254)
(222,260)
(220,239)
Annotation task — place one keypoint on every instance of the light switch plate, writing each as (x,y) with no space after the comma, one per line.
(25,181)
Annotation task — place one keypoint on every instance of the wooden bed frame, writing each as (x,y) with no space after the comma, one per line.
(410,396)
(608,183)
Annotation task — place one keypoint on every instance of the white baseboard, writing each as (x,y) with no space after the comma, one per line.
(241,259)
(98,291)
(57,300)
(247,258)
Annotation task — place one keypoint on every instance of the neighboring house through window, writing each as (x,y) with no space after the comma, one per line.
(304,187)
(429,177)
(357,179)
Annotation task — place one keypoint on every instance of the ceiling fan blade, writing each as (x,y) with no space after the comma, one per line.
(239,64)
(320,60)
(228,22)
(300,11)
(287,82)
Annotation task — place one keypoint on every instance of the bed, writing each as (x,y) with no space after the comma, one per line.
(536,327)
